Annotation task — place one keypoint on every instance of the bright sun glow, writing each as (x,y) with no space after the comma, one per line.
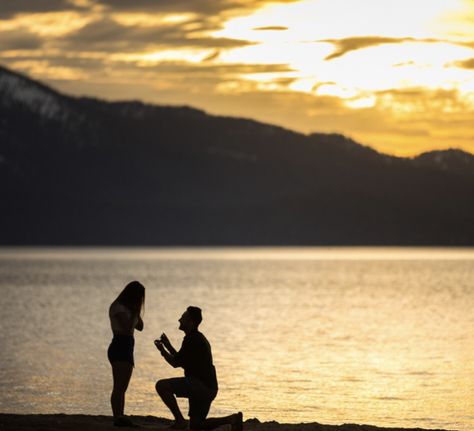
(303,35)
(323,19)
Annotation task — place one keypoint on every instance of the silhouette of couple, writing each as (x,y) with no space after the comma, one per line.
(199,383)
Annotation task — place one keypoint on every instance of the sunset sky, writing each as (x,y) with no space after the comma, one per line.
(397,75)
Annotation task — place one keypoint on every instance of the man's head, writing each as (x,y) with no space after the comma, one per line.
(190,319)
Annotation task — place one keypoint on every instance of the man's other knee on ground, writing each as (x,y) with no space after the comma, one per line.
(196,423)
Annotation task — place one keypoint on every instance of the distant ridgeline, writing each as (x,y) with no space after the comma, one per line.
(81,171)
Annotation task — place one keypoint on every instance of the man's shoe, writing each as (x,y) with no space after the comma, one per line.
(238,423)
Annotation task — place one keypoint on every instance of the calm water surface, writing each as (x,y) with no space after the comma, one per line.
(379,336)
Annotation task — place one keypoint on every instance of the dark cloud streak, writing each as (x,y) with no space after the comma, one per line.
(466,64)
(218,72)
(110,36)
(201,7)
(214,56)
(343,46)
(19,40)
(271,28)
(10,8)
(196,6)
(72,62)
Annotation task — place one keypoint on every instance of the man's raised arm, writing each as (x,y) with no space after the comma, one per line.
(166,342)
(169,357)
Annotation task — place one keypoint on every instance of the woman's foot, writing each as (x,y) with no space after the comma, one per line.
(179,425)
(237,422)
(123,421)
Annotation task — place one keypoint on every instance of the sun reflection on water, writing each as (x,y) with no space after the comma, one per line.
(381,336)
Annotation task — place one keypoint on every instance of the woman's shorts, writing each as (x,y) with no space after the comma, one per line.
(121,349)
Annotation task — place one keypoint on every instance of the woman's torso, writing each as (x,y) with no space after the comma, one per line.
(122,321)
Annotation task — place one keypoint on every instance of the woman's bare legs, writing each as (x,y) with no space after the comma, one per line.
(122,372)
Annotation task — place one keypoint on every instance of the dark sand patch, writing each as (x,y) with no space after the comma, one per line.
(11,422)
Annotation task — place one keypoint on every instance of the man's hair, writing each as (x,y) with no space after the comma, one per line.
(196,314)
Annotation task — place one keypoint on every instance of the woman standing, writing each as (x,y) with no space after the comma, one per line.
(125,317)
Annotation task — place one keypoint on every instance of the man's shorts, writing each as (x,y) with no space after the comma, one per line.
(199,395)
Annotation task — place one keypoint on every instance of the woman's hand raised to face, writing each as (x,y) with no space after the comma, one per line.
(139,325)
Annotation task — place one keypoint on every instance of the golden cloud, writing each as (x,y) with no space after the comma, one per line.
(465,64)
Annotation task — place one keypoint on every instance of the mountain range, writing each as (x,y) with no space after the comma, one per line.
(82,171)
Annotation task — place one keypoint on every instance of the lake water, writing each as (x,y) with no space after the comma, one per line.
(337,335)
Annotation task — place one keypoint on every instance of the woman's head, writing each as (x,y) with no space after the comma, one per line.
(133,297)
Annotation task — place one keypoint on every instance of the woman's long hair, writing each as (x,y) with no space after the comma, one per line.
(133,297)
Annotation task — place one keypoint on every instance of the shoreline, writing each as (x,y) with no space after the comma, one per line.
(79,422)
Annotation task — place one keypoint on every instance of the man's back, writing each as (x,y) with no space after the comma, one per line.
(195,356)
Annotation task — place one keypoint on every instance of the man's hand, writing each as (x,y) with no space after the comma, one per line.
(164,339)
(159,346)
(167,355)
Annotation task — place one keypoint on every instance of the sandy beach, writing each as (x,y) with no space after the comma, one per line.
(58,422)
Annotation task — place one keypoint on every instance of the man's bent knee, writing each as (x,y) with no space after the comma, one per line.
(163,386)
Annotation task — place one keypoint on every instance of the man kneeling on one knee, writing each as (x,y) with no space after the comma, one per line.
(199,383)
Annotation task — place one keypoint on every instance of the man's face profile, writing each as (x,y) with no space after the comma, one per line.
(185,321)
